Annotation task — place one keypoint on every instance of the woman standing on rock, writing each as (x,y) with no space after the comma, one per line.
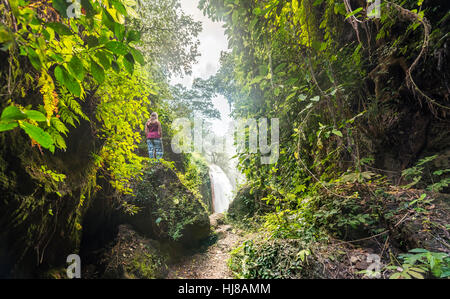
(153,131)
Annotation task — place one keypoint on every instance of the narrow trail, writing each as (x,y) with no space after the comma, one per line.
(211,264)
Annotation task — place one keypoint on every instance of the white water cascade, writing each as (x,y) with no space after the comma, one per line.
(222,189)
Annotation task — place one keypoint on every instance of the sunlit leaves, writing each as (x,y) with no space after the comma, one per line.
(37,134)
(97,72)
(60,28)
(133,36)
(34,58)
(337,133)
(7,126)
(76,68)
(61,6)
(103,59)
(128,62)
(6,37)
(12,113)
(137,55)
(67,80)
(35,115)
(92,41)
(117,47)
(119,30)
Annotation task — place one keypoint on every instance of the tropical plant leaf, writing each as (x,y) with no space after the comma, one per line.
(128,63)
(34,58)
(7,126)
(67,80)
(117,47)
(76,68)
(12,113)
(35,115)
(103,59)
(97,72)
(137,55)
(37,134)
(60,28)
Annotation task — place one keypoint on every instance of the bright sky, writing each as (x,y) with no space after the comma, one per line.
(212,42)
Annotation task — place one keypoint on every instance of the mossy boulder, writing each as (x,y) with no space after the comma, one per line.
(243,204)
(43,198)
(169,211)
(133,256)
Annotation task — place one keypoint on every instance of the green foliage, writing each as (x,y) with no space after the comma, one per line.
(416,173)
(122,112)
(174,207)
(297,61)
(196,175)
(420,261)
(146,266)
(268,260)
(56,46)
(169,37)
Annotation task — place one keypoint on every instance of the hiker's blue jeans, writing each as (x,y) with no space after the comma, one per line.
(155,148)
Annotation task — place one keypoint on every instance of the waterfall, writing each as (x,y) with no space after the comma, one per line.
(222,189)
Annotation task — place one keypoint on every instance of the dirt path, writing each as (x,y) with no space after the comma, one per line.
(211,264)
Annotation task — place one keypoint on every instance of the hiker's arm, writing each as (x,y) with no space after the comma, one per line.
(146,128)
(160,129)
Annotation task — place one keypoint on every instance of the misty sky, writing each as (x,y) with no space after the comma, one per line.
(212,42)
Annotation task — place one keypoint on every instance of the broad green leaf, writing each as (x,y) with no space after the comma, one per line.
(67,80)
(120,8)
(97,72)
(277,91)
(57,57)
(12,113)
(7,126)
(60,28)
(445,274)
(315,99)
(316,45)
(34,58)
(119,31)
(61,6)
(115,66)
(35,115)
(128,63)
(338,133)
(38,135)
(76,68)
(92,41)
(108,20)
(117,47)
(133,36)
(103,59)
(90,10)
(280,67)
(137,56)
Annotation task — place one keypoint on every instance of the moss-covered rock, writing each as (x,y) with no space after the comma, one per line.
(43,198)
(133,256)
(168,210)
(243,204)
